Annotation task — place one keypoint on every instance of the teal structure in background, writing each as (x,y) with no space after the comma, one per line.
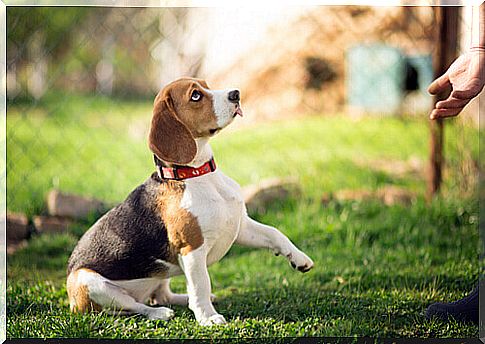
(379,77)
(423,64)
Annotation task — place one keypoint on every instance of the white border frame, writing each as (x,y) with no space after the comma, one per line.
(157,3)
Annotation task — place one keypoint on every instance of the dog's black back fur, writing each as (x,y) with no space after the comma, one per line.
(126,242)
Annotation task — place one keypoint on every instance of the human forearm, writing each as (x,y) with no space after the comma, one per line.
(478,27)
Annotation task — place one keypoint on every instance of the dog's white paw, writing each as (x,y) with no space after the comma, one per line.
(160,313)
(300,261)
(215,319)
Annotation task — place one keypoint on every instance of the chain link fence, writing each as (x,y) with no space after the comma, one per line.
(81,81)
(78,80)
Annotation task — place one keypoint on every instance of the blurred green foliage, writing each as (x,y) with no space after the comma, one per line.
(56,24)
(65,46)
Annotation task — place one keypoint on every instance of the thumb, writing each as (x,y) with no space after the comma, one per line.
(439,84)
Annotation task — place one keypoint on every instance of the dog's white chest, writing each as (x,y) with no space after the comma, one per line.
(217,203)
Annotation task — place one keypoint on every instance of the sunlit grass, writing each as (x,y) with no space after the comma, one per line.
(377,267)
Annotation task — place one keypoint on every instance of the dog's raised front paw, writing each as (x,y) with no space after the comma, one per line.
(160,313)
(215,319)
(300,261)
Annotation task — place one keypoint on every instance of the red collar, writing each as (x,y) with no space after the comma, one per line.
(185,172)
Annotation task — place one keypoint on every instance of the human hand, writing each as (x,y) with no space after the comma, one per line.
(466,75)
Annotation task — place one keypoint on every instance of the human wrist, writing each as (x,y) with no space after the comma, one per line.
(477,48)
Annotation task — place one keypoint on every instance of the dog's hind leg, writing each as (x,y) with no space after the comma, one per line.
(117,299)
(107,295)
(164,296)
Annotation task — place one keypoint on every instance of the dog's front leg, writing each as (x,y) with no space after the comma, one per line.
(199,287)
(255,234)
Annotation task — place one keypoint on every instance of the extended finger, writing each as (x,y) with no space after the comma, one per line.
(439,84)
(452,103)
(442,113)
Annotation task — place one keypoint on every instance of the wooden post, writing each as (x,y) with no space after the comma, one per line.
(445,53)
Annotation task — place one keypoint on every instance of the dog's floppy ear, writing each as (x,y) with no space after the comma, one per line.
(169,138)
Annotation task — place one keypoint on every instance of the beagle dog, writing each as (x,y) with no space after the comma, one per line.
(182,219)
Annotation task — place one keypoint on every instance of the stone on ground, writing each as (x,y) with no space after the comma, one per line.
(17,227)
(51,224)
(259,196)
(72,206)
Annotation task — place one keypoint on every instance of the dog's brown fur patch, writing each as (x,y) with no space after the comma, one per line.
(78,294)
(184,233)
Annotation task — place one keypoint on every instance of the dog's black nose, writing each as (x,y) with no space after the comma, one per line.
(233,96)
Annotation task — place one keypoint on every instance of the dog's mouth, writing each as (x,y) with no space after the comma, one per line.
(238,111)
(213,131)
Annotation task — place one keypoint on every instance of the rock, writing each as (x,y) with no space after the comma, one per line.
(73,206)
(389,195)
(51,224)
(14,246)
(18,228)
(259,196)
(414,166)
(347,195)
(355,195)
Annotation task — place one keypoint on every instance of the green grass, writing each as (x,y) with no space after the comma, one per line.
(377,267)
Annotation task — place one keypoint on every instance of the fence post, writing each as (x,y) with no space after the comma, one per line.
(445,53)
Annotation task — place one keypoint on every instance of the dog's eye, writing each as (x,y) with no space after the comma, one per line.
(196,96)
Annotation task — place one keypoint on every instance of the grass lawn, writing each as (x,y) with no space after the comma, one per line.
(377,267)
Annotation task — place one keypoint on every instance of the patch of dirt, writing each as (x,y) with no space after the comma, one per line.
(414,166)
(389,195)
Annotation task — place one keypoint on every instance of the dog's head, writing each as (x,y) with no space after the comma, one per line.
(184,110)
